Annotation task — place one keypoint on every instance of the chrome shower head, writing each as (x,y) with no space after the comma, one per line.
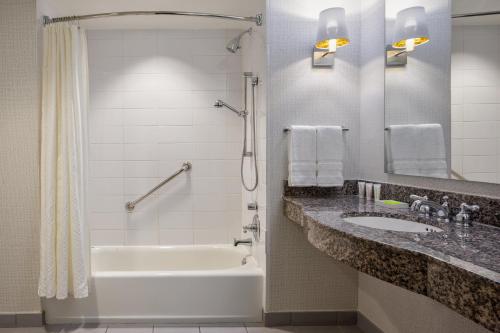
(234,44)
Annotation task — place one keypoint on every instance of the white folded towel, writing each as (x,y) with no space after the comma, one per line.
(330,155)
(417,150)
(432,152)
(302,156)
(403,150)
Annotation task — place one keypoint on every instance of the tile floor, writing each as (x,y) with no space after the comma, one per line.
(170,329)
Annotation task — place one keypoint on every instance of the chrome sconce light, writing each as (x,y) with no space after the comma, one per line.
(410,31)
(332,34)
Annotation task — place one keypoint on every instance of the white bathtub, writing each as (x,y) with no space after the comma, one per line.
(179,284)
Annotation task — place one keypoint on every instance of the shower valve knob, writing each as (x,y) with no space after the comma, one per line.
(252,206)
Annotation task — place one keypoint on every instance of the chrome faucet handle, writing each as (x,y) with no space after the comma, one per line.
(464,214)
(417,201)
(415,197)
(466,208)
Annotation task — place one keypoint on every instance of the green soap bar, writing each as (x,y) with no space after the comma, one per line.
(392,202)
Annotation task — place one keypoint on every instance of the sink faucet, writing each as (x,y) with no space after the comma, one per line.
(247,241)
(464,215)
(424,205)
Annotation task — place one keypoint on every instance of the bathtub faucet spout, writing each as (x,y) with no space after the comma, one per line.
(247,241)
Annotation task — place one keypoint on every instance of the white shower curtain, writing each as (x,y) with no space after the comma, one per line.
(64,250)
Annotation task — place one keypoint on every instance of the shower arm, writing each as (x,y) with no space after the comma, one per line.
(244,112)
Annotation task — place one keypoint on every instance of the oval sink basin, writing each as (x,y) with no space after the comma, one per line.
(387,223)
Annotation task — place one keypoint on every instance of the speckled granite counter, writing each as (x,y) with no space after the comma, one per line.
(458,267)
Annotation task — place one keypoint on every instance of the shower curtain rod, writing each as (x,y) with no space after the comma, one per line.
(257,19)
(476,14)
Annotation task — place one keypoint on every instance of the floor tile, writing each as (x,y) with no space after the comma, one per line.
(76,328)
(130,329)
(281,329)
(159,329)
(305,329)
(327,329)
(23,330)
(223,329)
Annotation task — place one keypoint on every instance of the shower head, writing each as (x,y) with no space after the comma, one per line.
(234,44)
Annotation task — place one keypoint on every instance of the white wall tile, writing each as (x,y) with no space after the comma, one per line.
(182,117)
(106,134)
(176,151)
(106,186)
(106,152)
(142,220)
(141,169)
(105,48)
(174,134)
(480,164)
(205,236)
(106,204)
(106,221)
(140,151)
(176,237)
(142,237)
(106,169)
(140,47)
(152,95)
(140,134)
(107,237)
(176,220)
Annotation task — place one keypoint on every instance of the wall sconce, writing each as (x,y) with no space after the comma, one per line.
(332,34)
(410,31)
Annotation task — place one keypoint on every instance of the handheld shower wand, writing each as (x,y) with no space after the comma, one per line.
(244,114)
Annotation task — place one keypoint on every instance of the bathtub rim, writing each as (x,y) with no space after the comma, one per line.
(251,268)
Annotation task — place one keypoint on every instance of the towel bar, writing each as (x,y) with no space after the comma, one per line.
(288,129)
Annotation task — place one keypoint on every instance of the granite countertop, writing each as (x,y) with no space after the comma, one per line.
(459,267)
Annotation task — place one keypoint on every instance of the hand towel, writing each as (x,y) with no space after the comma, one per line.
(431,151)
(417,150)
(403,150)
(330,156)
(302,156)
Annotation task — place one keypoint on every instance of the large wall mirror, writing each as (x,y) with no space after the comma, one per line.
(442,85)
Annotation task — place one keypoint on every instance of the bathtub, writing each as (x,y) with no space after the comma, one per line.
(166,284)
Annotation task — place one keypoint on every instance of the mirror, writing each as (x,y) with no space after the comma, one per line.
(442,86)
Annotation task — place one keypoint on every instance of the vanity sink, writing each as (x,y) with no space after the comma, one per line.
(392,224)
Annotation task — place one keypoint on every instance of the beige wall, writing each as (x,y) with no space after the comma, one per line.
(19,135)
(298,277)
(397,310)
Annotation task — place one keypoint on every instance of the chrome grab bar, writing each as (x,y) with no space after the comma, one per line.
(186,166)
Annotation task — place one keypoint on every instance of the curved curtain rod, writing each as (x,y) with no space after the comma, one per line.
(257,19)
(475,14)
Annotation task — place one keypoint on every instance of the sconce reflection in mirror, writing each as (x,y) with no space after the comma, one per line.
(410,31)
(332,34)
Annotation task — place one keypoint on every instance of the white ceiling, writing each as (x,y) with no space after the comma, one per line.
(226,7)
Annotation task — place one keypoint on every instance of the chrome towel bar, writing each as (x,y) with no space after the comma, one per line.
(186,166)
(288,129)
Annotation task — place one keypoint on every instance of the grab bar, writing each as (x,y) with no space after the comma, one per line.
(288,129)
(186,166)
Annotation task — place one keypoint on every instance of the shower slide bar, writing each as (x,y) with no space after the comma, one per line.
(257,19)
(186,166)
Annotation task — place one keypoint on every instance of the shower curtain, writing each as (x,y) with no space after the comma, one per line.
(63,240)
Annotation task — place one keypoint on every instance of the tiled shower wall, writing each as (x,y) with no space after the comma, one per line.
(475,65)
(152,96)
